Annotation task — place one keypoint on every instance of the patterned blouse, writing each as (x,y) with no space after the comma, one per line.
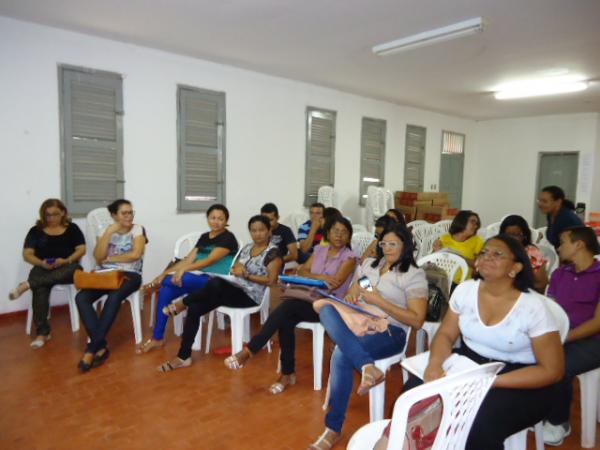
(256,265)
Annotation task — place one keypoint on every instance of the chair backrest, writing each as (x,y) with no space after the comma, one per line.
(542,235)
(389,199)
(327,196)
(492,230)
(560,316)
(97,221)
(447,261)
(360,242)
(550,255)
(185,243)
(442,226)
(296,219)
(416,223)
(425,246)
(461,395)
(375,205)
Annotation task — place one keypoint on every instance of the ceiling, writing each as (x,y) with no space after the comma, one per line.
(328,42)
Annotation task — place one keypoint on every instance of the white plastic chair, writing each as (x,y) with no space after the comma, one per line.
(327,196)
(492,230)
(240,322)
(441,227)
(375,205)
(360,242)
(70,291)
(296,219)
(461,395)
(377,393)
(416,223)
(542,236)
(318,342)
(518,441)
(550,255)
(590,406)
(450,263)
(389,199)
(136,313)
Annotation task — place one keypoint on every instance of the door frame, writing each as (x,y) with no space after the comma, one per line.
(463,156)
(538,174)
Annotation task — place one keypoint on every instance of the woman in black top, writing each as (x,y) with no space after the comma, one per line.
(54,247)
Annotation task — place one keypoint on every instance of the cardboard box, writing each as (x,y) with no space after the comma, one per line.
(429,210)
(440,202)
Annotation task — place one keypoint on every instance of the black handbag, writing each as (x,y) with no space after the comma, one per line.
(437,304)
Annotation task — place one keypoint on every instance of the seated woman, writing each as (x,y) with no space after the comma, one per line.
(397,215)
(463,240)
(518,228)
(576,287)
(333,264)
(53,247)
(500,319)
(257,266)
(213,253)
(380,224)
(120,247)
(399,290)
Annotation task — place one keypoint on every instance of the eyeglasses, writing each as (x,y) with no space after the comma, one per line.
(516,235)
(49,215)
(493,255)
(390,244)
(335,232)
(127,213)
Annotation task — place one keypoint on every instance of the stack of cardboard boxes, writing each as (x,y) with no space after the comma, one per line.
(594,222)
(429,206)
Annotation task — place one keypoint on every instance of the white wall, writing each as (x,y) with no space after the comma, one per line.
(265,137)
(500,177)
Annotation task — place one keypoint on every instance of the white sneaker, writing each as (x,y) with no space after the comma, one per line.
(555,434)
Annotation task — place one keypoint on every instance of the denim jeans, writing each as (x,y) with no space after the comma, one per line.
(98,327)
(352,353)
(168,292)
(580,356)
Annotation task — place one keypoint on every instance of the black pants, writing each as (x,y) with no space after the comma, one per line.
(503,412)
(284,319)
(98,327)
(41,281)
(217,292)
(580,356)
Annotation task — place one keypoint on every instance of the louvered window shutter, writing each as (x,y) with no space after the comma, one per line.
(201,149)
(320,152)
(414,160)
(92,134)
(372,156)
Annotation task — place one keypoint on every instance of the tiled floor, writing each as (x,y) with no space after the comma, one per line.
(126,404)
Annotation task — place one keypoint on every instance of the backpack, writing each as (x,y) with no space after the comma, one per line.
(437,281)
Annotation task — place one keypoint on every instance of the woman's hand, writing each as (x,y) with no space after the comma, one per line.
(239,271)
(433,372)
(178,277)
(59,262)
(351,299)
(45,265)
(437,245)
(370,296)
(331,281)
(113,228)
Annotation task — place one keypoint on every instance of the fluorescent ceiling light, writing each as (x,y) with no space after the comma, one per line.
(541,86)
(446,33)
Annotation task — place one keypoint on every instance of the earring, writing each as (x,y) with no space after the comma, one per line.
(512,274)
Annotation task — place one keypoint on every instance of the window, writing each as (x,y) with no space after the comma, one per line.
(452,143)
(201,153)
(372,156)
(91,105)
(320,152)
(414,158)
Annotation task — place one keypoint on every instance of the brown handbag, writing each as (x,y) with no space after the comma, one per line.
(105,281)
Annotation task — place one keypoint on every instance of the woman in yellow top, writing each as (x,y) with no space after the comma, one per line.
(462,239)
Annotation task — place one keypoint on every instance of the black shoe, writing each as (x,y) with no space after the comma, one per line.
(99,360)
(84,367)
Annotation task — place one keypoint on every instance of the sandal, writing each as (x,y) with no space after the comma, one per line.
(39,341)
(371,377)
(283,382)
(237,361)
(172,309)
(174,364)
(18,291)
(326,441)
(150,344)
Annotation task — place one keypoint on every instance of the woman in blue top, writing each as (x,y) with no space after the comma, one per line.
(213,253)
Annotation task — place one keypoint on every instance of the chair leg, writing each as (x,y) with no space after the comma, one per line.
(209,330)
(29,319)
(74,313)
(318,344)
(517,441)
(420,341)
(153,302)
(178,323)
(237,332)
(136,316)
(539,435)
(588,383)
(197,345)
(376,402)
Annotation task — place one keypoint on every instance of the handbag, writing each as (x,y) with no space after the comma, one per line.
(359,323)
(296,291)
(105,281)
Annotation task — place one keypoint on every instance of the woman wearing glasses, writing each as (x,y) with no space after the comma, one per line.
(53,247)
(120,247)
(399,290)
(334,264)
(501,319)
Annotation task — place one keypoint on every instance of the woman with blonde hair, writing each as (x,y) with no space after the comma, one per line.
(53,246)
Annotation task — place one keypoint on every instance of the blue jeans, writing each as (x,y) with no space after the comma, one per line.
(168,292)
(98,327)
(352,353)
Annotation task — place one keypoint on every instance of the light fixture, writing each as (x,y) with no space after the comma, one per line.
(541,86)
(446,33)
